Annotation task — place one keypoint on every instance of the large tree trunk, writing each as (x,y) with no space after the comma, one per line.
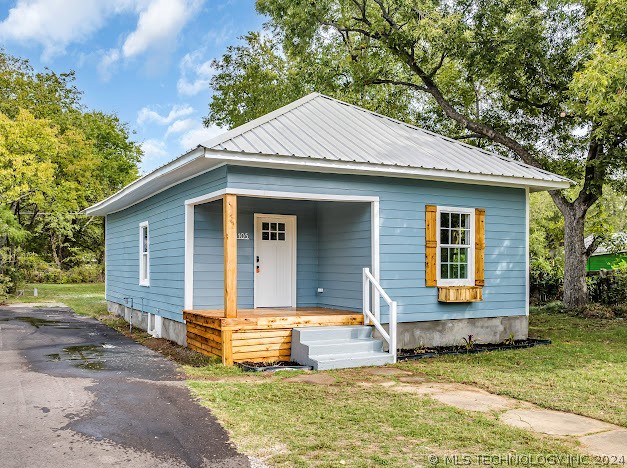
(575,290)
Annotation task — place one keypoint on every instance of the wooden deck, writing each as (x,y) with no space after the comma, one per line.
(258,335)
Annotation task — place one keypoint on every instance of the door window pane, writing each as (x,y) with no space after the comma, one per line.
(273,231)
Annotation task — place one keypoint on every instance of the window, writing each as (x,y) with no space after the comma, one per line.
(273,231)
(144,254)
(455,250)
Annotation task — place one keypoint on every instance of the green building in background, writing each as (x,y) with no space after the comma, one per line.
(608,254)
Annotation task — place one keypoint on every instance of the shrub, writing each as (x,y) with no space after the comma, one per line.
(93,273)
(545,285)
(37,270)
(608,287)
(6,286)
(596,311)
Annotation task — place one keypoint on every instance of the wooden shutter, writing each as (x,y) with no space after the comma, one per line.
(479,246)
(431,245)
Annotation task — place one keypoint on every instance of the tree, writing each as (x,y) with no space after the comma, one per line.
(258,77)
(56,158)
(542,81)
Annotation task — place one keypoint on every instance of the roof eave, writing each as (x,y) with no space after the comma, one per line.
(347,167)
(100,208)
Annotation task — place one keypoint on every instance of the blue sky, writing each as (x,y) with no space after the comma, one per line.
(149,61)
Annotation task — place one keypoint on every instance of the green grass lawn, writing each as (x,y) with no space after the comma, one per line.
(84,299)
(584,371)
(296,424)
(357,422)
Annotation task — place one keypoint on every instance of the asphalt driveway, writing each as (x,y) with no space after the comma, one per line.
(74,392)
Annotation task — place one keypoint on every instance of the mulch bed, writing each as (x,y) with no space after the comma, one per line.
(407,354)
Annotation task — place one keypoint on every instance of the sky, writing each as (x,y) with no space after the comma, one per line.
(148,61)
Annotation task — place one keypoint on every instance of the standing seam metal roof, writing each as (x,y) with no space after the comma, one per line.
(320,127)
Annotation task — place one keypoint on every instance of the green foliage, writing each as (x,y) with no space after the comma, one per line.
(260,75)
(56,159)
(546,238)
(608,288)
(34,269)
(469,342)
(543,82)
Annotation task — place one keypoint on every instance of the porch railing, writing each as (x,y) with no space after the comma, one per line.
(390,335)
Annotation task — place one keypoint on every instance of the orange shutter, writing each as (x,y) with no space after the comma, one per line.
(479,246)
(431,245)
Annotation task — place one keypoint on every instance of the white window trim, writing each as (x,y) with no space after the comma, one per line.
(144,282)
(470,281)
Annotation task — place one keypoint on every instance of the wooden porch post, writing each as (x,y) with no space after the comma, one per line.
(230,255)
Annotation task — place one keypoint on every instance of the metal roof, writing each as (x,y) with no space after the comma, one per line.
(320,127)
(321,134)
(617,243)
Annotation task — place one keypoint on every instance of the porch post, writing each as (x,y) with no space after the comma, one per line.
(229,209)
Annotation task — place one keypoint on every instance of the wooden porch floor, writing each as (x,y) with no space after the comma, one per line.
(257,334)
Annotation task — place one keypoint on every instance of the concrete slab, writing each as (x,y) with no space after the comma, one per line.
(38,305)
(553,422)
(611,444)
(387,371)
(475,400)
(461,396)
(414,379)
(314,379)
(389,383)
(430,388)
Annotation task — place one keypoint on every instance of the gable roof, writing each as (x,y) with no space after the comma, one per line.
(319,133)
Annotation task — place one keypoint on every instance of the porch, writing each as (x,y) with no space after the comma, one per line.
(258,264)
(257,335)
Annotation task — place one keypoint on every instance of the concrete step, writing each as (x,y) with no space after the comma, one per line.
(357,345)
(337,347)
(331,333)
(342,361)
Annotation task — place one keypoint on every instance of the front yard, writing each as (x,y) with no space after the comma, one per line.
(356,419)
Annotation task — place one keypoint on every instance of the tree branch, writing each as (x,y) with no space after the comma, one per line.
(594,245)
(397,82)
(527,101)
(468,136)
(438,66)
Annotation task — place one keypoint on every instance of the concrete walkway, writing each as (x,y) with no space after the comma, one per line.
(73,392)
(596,437)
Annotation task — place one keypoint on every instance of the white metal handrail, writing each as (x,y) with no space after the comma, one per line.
(390,337)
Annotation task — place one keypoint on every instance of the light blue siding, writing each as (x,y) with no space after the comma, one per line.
(208,256)
(402,236)
(208,251)
(166,217)
(344,249)
(333,243)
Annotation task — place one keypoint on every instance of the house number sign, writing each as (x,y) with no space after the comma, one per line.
(242,236)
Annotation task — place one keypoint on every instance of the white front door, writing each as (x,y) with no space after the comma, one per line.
(275,260)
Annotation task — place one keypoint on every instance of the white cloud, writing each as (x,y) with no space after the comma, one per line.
(196,74)
(155,154)
(109,58)
(54,24)
(158,25)
(180,126)
(198,135)
(148,115)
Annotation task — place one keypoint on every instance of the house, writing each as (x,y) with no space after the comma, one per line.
(285,236)
(608,254)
